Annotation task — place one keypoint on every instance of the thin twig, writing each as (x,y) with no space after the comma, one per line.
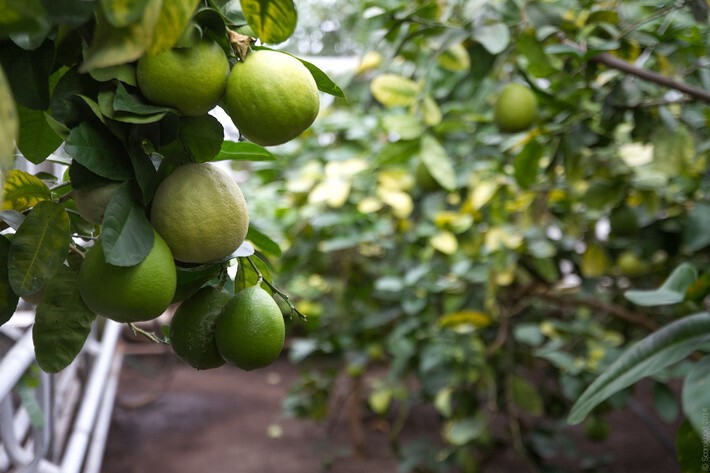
(149,335)
(280,293)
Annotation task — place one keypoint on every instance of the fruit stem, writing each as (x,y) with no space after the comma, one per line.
(149,335)
(281,294)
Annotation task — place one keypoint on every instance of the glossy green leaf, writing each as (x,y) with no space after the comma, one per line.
(172,21)
(127,236)
(96,149)
(62,323)
(10,129)
(696,396)
(22,190)
(666,346)
(495,38)
(37,138)
(121,13)
(527,163)
(672,291)
(273,21)
(437,162)
(8,298)
(247,276)
(202,136)
(38,248)
(394,90)
(111,46)
(324,83)
(242,151)
(263,242)
(28,73)
(125,101)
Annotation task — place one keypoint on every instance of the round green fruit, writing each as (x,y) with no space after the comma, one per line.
(271,97)
(250,332)
(128,293)
(192,328)
(515,109)
(631,265)
(191,80)
(91,203)
(200,212)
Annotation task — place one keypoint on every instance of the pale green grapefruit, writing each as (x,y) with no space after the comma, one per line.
(516,108)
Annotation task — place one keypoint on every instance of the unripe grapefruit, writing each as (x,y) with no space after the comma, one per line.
(132,293)
(200,212)
(193,325)
(250,332)
(191,80)
(516,108)
(271,97)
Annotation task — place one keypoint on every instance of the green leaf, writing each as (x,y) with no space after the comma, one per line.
(22,190)
(111,46)
(525,396)
(393,90)
(97,150)
(537,61)
(121,13)
(242,151)
(696,396)
(455,58)
(37,138)
(690,450)
(10,128)
(8,298)
(404,125)
(38,248)
(124,101)
(172,21)
(672,291)
(20,16)
(62,322)
(437,162)
(495,38)
(273,21)
(527,163)
(203,136)
(673,150)
(662,348)
(28,73)
(696,234)
(462,431)
(266,244)
(127,236)
(324,83)
(247,277)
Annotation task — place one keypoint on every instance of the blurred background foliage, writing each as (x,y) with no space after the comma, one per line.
(444,263)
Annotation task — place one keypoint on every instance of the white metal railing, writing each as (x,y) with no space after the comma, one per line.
(75,404)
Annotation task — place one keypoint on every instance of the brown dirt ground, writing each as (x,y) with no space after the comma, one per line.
(170,418)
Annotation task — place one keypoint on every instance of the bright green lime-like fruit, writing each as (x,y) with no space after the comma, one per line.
(250,332)
(192,328)
(271,97)
(131,293)
(516,108)
(191,80)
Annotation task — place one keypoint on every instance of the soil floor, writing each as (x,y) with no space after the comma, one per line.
(170,418)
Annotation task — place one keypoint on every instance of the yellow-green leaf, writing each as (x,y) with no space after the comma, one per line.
(445,242)
(123,12)
(455,59)
(10,124)
(465,317)
(173,18)
(23,190)
(273,21)
(431,113)
(394,90)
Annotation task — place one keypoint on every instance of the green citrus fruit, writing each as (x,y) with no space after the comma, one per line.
(91,203)
(200,212)
(271,97)
(250,332)
(128,293)
(193,325)
(191,80)
(516,108)
(631,265)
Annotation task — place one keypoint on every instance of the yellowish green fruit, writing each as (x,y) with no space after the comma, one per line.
(271,97)
(192,328)
(631,265)
(200,212)
(191,80)
(250,332)
(132,293)
(91,203)
(516,108)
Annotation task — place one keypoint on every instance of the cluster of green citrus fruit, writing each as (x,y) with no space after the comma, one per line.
(270,96)
(198,213)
